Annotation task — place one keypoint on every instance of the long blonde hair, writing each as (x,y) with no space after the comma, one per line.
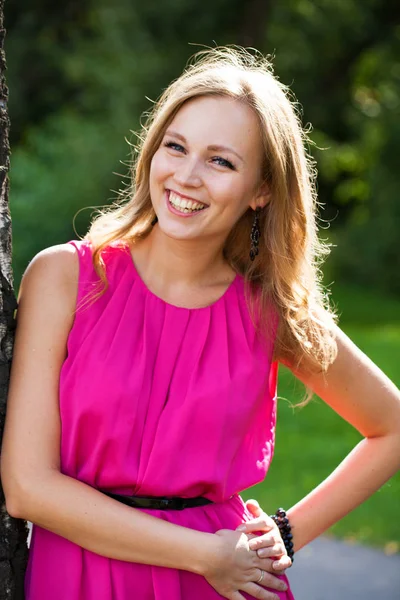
(286,270)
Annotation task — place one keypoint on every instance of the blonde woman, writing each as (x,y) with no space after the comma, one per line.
(143,391)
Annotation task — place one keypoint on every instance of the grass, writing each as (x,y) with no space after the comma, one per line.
(313,440)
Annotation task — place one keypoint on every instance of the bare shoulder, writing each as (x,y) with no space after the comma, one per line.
(48,293)
(53,272)
(46,308)
(56,261)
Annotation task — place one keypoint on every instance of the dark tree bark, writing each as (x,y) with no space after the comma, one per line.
(13,532)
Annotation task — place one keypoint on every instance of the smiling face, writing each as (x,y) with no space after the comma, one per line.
(207,171)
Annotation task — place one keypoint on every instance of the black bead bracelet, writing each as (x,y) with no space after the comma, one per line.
(285,530)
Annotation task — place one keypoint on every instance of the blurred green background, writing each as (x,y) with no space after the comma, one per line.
(80,74)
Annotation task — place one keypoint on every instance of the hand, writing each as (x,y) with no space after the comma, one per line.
(270,543)
(235,567)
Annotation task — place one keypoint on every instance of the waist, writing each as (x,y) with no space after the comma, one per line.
(158,503)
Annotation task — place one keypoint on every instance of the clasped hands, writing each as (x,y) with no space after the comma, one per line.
(269,544)
(251,559)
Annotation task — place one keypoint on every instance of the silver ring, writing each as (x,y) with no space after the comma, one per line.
(259,580)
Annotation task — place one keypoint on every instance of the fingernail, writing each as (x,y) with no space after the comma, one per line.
(276,565)
(241,528)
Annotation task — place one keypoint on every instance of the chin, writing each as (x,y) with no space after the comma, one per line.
(176,233)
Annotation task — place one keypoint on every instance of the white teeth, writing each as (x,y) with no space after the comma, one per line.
(183,204)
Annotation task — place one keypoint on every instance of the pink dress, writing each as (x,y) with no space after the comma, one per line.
(156,400)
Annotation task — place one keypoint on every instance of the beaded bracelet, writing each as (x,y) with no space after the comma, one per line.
(285,530)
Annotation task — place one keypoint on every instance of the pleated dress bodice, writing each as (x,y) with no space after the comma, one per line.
(157,399)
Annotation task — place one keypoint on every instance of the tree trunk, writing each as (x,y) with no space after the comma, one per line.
(13,532)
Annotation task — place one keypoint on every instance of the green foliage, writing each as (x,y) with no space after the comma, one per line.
(61,168)
(79,75)
(367,250)
(343,61)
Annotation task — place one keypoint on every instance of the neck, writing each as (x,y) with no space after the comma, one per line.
(179,262)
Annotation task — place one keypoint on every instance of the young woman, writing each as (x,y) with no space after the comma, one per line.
(143,390)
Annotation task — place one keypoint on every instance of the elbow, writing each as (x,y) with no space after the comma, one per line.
(7,484)
(20,489)
(19,504)
(24,497)
(13,509)
(15,498)
(21,501)
(13,501)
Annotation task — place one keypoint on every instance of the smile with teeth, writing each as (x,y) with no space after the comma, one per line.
(184,205)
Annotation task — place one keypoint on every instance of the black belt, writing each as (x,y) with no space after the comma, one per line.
(159,503)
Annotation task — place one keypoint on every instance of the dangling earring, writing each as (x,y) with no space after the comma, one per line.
(255,234)
(154,221)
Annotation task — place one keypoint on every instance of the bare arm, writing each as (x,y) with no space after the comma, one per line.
(34,487)
(359,392)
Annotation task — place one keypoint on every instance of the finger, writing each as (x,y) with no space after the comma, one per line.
(253,507)
(269,581)
(277,550)
(245,526)
(272,581)
(252,536)
(263,541)
(284,562)
(266,564)
(237,596)
(256,591)
(262,523)
(272,565)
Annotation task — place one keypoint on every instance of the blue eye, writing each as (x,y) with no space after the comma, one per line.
(223,162)
(174,146)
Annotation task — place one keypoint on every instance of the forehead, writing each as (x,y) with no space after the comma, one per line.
(218,120)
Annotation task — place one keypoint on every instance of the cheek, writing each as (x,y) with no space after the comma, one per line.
(158,168)
(229,192)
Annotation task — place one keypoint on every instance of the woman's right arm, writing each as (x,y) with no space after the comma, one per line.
(34,487)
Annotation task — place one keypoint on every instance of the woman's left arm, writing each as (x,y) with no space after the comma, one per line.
(362,394)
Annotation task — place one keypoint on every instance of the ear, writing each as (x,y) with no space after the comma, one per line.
(262,196)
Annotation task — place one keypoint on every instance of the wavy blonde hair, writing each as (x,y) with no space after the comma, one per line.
(286,270)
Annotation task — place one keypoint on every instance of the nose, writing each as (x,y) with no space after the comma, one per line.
(188,174)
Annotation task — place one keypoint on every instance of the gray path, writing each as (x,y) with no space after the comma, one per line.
(330,570)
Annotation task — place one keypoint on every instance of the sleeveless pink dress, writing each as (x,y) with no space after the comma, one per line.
(156,400)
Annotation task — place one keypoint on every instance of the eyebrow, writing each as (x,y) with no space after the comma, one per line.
(213,147)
